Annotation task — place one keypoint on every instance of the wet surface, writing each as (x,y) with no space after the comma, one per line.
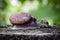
(30,34)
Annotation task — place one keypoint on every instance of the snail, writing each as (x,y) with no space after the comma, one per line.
(22,20)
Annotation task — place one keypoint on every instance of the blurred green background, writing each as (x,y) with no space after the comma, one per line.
(41,9)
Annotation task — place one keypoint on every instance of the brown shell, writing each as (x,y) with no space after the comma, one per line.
(19,18)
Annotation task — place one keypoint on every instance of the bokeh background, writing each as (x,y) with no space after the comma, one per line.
(41,9)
